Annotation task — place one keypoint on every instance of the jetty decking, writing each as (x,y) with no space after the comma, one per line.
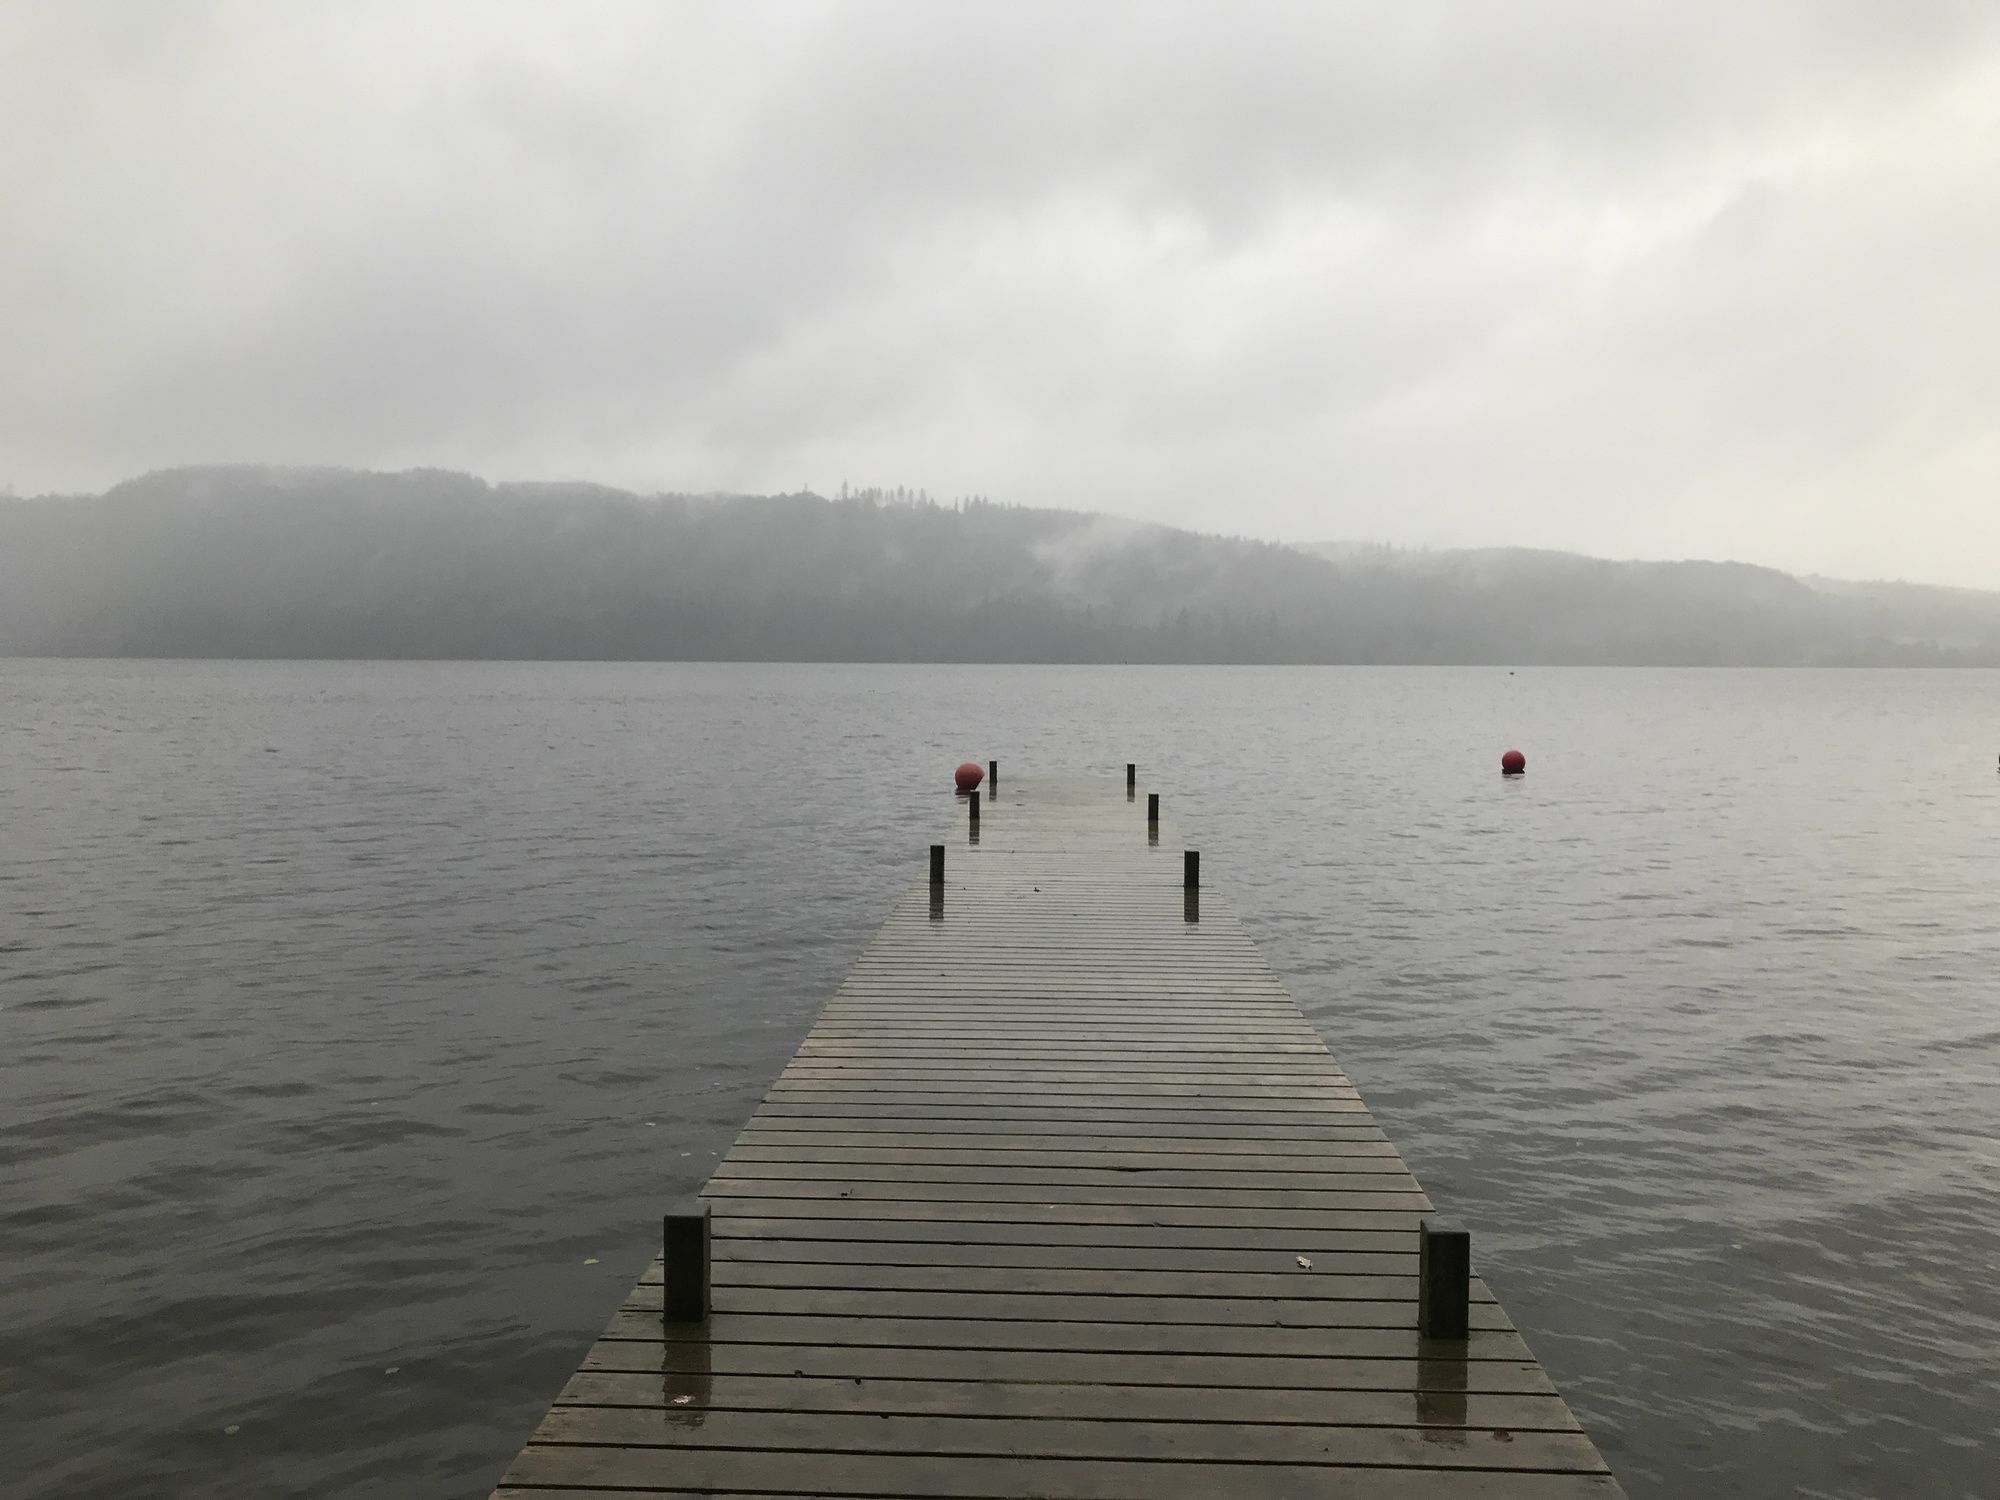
(1061,1197)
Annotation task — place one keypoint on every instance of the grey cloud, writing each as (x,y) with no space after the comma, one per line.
(1648,279)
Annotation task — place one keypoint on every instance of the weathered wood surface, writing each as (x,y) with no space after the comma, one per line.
(1061,1197)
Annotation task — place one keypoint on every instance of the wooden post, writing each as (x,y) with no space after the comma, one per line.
(1444,1279)
(1153,811)
(684,1254)
(993,774)
(937,868)
(1191,869)
(1131,775)
(972,802)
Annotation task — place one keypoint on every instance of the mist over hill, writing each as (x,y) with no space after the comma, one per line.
(257,562)
(1565,607)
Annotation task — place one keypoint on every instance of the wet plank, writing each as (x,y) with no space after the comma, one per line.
(794,1327)
(1155,1130)
(1061,1196)
(1066,1106)
(1182,1314)
(1376,1232)
(1052,1435)
(1099,1401)
(1043,1195)
(682,1368)
(1171,1223)
(1334,1173)
(737,1472)
(1396,1282)
(1190,1164)
(1391,1256)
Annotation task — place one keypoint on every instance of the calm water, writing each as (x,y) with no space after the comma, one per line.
(356,1019)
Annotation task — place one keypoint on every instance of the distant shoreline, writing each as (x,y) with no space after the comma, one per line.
(333,564)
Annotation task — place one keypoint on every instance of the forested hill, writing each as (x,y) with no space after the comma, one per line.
(334,563)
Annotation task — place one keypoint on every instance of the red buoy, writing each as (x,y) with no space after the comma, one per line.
(969,775)
(1513,763)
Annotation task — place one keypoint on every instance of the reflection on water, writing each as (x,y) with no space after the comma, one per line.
(687,1377)
(1441,1386)
(361,1018)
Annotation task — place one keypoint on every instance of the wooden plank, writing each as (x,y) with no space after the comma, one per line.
(1195,1089)
(678,1364)
(1064,1049)
(1170,1217)
(1059,1437)
(1187,1312)
(947,1103)
(1166,1031)
(898,1474)
(1384,1174)
(1240,1073)
(775,1249)
(1075,1000)
(1379,1232)
(863,1144)
(1070,1057)
(1195,1156)
(1269,1286)
(1399,1407)
(960,1133)
(1349,1136)
(643,1326)
(960,1104)
(1187,1081)
(1050,1194)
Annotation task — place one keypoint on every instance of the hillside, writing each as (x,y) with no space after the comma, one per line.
(336,563)
(1569,607)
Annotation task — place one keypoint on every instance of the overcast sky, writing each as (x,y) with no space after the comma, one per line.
(1656,280)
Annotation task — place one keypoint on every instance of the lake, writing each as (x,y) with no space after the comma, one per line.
(359,1017)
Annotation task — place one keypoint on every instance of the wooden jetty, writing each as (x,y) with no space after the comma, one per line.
(1060,1197)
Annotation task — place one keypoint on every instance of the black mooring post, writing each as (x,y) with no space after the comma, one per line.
(937,868)
(1191,869)
(972,802)
(1444,1279)
(993,774)
(1131,779)
(684,1256)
